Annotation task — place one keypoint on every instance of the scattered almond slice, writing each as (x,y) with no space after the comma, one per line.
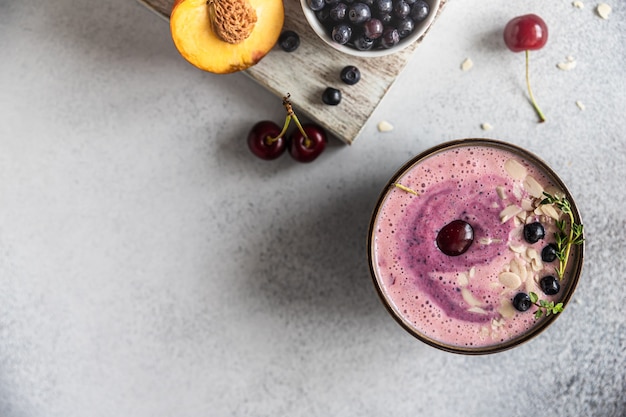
(469,298)
(569,64)
(501,191)
(515,169)
(580,105)
(604,10)
(578,4)
(384,126)
(486,126)
(467,64)
(472,272)
(533,187)
(462,279)
(550,211)
(488,240)
(517,248)
(506,309)
(510,280)
(509,212)
(527,204)
(476,310)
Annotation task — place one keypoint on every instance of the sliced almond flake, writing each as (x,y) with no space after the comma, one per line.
(477,310)
(532,254)
(467,64)
(462,279)
(516,267)
(517,191)
(472,272)
(580,105)
(501,191)
(517,248)
(384,126)
(569,64)
(486,126)
(604,10)
(578,4)
(469,298)
(550,211)
(510,280)
(515,169)
(552,190)
(488,240)
(506,309)
(484,332)
(527,204)
(509,212)
(533,187)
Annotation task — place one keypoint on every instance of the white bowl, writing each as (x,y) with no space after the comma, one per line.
(418,32)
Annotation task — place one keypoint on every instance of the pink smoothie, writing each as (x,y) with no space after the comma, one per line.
(463,301)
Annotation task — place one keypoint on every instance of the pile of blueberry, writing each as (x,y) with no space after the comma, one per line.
(369,24)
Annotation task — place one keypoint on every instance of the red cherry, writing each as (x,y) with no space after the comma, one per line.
(526,33)
(455,238)
(306,150)
(264,140)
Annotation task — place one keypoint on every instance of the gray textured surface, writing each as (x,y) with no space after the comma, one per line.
(149,266)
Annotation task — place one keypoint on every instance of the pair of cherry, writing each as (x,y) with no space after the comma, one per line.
(268,141)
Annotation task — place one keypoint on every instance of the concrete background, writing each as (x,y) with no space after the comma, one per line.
(151,266)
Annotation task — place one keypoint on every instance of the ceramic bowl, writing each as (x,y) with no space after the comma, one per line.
(463,302)
(419,31)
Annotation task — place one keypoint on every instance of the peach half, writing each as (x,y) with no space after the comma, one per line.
(225,36)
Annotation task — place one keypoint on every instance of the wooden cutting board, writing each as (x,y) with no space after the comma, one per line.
(306,72)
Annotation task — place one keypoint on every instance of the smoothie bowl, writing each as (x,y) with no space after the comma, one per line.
(475,246)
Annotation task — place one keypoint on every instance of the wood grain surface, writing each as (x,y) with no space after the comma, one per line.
(306,72)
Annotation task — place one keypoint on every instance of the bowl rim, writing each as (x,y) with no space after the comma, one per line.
(403,44)
(576,258)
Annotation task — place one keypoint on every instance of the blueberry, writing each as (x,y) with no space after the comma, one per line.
(419,10)
(405,27)
(385,18)
(533,232)
(401,9)
(363,44)
(383,6)
(331,96)
(350,75)
(338,12)
(323,15)
(373,28)
(289,41)
(390,37)
(359,13)
(549,285)
(331,1)
(548,253)
(521,301)
(315,5)
(341,34)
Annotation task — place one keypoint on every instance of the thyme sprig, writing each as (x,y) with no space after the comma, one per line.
(544,307)
(564,238)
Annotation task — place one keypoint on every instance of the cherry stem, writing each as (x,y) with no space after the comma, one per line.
(542,118)
(291,115)
(269,140)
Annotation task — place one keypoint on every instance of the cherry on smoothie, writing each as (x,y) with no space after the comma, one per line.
(455,238)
